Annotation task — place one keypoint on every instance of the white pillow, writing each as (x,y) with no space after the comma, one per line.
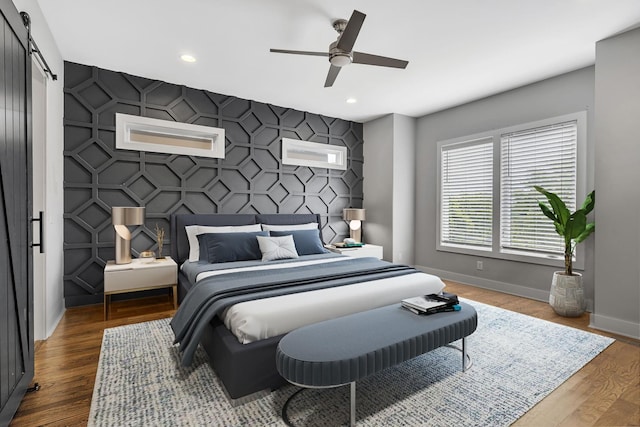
(273,248)
(309,226)
(194,230)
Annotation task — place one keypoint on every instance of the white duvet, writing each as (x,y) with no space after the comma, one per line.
(259,319)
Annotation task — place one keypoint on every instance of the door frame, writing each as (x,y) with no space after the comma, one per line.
(39,168)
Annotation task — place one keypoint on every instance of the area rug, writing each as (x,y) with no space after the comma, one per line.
(517,361)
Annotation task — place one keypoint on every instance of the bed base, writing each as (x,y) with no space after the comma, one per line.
(244,369)
(246,399)
(247,371)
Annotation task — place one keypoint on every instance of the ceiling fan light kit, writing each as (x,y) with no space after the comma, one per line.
(338,57)
(341,51)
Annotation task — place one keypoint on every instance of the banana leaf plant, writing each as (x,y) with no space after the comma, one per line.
(572,227)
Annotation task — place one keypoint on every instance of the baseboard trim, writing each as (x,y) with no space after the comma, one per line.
(494,285)
(51,329)
(615,326)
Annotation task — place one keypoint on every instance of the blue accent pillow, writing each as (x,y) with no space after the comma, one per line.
(228,247)
(307,242)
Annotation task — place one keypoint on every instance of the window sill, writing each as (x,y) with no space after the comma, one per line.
(510,255)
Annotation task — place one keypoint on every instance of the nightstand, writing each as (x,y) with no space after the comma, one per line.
(363,251)
(140,275)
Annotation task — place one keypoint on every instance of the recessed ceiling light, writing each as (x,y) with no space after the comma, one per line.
(188,58)
(351,100)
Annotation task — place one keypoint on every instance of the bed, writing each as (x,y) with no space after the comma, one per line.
(242,328)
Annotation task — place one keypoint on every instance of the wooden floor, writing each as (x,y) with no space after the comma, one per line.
(606,392)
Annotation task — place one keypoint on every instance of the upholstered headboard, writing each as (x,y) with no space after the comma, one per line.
(178,235)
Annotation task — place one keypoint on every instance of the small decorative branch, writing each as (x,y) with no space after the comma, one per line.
(159,239)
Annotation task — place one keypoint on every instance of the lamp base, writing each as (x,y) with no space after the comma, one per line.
(356,234)
(123,250)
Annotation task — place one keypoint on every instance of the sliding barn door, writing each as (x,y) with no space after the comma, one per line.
(16,299)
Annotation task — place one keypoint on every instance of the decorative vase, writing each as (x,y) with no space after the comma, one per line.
(159,240)
(567,294)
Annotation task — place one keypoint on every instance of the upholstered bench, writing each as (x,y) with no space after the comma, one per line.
(341,351)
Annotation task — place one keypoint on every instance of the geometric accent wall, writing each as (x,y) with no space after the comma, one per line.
(250,179)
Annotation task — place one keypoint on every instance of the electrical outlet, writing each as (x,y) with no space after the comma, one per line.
(479,265)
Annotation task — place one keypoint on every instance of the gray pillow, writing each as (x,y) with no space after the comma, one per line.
(228,247)
(307,241)
(273,248)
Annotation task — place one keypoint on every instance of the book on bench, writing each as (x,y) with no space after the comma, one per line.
(432,303)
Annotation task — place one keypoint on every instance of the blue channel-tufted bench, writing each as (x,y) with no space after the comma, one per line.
(341,351)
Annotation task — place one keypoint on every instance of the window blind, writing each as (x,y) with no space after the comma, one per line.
(466,193)
(544,156)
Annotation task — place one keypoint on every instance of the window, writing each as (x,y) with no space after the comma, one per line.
(487,202)
(544,156)
(467,200)
(313,154)
(165,136)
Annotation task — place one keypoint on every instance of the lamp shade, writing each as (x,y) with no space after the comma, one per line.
(351,214)
(127,215)
(355,218)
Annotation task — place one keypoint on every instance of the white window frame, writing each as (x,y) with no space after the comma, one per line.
(462,143)
(313,154)
(581,191)
(139,133)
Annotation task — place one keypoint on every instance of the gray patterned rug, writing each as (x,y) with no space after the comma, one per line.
(517,361)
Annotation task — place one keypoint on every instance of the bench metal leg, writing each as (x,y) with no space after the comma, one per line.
(353,404)
(352,414)
(466,358)
(464,354)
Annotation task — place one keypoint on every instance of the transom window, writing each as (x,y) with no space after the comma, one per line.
(487,202)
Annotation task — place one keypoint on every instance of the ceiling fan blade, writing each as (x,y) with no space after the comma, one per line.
(382,61)
(351,31)
(331,76)
(299,52)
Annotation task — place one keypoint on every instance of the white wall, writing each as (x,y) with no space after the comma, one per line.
(617,168)
(556,96)
(378,183)
(389,185)
(404,185)
(53,289)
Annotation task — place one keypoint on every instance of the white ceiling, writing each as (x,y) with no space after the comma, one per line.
(458,50)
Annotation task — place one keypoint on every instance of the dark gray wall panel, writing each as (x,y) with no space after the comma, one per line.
(251,179)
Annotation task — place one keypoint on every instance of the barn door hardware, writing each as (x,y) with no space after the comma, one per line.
(39,220)
(33,47)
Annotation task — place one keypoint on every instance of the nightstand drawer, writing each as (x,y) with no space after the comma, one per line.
(125,280)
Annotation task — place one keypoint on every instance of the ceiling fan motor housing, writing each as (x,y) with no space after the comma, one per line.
(339,57)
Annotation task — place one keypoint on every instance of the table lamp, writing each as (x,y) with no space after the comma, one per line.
(355,218)
(121,218)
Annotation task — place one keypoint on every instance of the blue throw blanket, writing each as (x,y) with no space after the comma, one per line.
(213,294)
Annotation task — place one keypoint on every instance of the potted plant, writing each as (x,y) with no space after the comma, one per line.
(567,292)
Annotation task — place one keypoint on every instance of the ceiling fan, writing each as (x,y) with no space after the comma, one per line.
(341,51)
